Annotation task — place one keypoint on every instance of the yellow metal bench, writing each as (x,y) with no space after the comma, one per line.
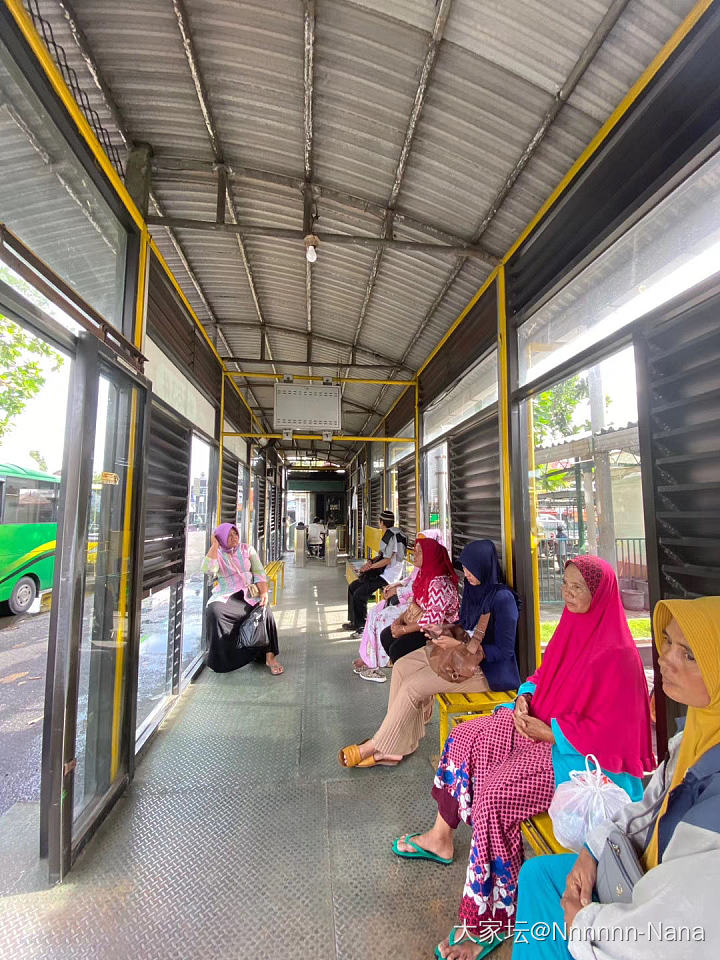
(275,571)
(457,707)
(538,832)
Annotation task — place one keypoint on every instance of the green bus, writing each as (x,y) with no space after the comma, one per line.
(28,530)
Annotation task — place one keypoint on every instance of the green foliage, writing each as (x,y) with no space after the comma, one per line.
(553,411)
(39,460)
(22,373)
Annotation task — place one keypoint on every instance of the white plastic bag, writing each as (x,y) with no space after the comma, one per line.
(583,802)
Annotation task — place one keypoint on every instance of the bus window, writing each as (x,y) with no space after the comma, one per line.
(30,501)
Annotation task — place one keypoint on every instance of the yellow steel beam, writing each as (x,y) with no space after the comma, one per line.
(305,376)
(319,436)
(46,61)
(222,446)
(612,121)
(141,304)
(459,320)
(37,45)
(418,519)
(504,420)
(123,625)
(700,8)
(201,328)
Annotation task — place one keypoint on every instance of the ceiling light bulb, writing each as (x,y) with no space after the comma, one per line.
(310,253)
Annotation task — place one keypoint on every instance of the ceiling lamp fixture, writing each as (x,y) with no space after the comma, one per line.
(311,244)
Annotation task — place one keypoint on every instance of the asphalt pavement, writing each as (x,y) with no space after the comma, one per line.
(23,660)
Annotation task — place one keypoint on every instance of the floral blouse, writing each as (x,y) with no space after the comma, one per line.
(234,571)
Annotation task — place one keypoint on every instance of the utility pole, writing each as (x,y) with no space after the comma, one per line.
(603,481)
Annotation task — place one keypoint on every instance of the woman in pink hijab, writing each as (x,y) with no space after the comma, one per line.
(588,696)
(240,584)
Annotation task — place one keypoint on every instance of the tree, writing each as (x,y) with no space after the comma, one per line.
(39,460)
(553,422)
(22,373)
(553,411)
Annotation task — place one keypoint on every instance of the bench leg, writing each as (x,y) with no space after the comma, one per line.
(444,728)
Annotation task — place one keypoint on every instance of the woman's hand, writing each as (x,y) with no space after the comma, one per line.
(263,598)
(389,592)
(398,628)
(579,886)
(212,552)
(443,640)
(533,729)
(522,706)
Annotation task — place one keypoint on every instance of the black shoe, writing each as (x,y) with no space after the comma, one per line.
(348,626)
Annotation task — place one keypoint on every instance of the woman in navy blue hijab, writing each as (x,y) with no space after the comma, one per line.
(485,591)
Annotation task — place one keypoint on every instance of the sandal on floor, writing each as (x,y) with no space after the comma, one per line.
(350,756)
(487,946)
(420,854)
(276,669)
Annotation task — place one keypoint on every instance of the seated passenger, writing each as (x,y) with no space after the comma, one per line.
(434,600)
(674,828)
(372,653)
(498,770)
(387,567)
(414,682)
(236,566)
(316,537)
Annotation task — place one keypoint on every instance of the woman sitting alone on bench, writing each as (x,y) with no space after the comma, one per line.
(238,569)
(414,682)
(499,770)
(674,829)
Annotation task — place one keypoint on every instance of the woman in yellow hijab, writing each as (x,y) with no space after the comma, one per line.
(674,830)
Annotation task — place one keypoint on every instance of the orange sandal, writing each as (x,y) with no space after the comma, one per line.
(351,756)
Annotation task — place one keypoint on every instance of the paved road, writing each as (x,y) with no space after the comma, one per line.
(23,655)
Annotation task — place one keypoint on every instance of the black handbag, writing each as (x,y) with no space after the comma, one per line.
(251,629)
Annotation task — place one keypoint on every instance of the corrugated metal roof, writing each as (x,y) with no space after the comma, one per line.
(497,70)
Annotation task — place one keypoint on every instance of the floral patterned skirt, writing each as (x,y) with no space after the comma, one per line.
(493,779)
(379,617)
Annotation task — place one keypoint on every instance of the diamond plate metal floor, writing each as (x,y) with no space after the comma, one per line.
(241,837)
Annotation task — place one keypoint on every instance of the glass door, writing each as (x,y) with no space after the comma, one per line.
(94,624)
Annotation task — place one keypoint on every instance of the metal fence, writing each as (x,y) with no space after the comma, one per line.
(630,556)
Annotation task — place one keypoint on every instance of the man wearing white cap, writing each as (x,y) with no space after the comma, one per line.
(387,567)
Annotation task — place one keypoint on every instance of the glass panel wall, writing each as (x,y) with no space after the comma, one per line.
(198,542)
(48,199)
(106,611)
(673,248)
(397,451)
(156,651)
(476,390)
(585,487)
(437,496)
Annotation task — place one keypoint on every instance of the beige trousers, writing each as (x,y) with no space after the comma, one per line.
(412,688)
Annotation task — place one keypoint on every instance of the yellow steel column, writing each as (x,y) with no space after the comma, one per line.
(142,288)
(222,444)
(418,519)
(532,494)
(504,424)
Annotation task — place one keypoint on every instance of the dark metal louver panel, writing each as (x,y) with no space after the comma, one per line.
(228,508)
(260,501)
(376,498)
(474,467)
(407,514)
(679,359)
(166,500)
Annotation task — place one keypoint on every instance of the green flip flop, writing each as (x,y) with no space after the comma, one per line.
(420,853)
(487,948)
